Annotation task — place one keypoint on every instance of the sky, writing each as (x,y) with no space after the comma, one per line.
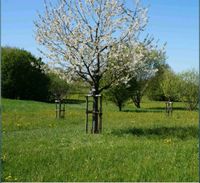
(173,21)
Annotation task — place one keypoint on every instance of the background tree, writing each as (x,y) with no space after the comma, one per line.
(58,87)
(189,88)
(23,76)
(170,85)
(118,95)
(136,90)
(152,59)
(154,90)
(81,36)
(136,86)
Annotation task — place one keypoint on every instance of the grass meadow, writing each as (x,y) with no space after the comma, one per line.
(136,145)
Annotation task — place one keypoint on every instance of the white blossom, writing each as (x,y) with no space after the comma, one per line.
(93,38)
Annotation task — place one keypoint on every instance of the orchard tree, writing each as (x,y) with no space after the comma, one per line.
(83,36)
(152,59)
(118,94)
(154,90)
(170,85)
(189,88)
(58,87)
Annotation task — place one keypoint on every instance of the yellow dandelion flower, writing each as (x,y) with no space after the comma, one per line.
(4,157)
(8,177)
(167,141)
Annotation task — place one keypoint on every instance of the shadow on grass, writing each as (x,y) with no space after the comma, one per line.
(74,101)
(144,110)
(153,109)
(163,108)
(161,132)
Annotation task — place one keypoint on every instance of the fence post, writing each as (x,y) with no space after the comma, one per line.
(56,109)
(96,112)
(169,107)
(100,115)
(86,125)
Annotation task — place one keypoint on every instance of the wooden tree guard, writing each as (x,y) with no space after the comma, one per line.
(60,109)
(169,107)
(99,112)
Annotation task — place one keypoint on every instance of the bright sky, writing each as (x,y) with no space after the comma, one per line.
(173,21)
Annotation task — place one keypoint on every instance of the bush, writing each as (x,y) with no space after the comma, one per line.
(23,76)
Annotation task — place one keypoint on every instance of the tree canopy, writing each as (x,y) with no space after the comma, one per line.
(87,38)
(189,88)
(23,76)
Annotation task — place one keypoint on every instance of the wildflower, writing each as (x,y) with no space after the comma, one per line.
(50,125)
(3,158)
(167,141)
(8,178)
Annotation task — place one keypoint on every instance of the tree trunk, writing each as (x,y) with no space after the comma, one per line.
(120,108)
(136,100)
(137,104)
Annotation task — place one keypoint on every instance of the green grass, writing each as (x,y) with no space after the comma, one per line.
(136,145)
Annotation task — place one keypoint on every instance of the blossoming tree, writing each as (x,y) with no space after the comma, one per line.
(91,39)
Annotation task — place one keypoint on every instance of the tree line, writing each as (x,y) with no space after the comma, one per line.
(28,78)
(165,85)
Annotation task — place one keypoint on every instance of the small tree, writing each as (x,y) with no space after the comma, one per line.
(58,87)
(136,90)
(189,88)
(136,86)
(154,90)
(153,59)
(118,95)
(170,85)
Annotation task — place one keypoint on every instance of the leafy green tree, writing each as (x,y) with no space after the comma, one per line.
(137,86)
(58,87)
(118,95)
(154,90)
(23,75)
(170,85)
(189,88)
(136,90)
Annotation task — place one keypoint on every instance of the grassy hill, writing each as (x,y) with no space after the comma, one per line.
(136,145)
